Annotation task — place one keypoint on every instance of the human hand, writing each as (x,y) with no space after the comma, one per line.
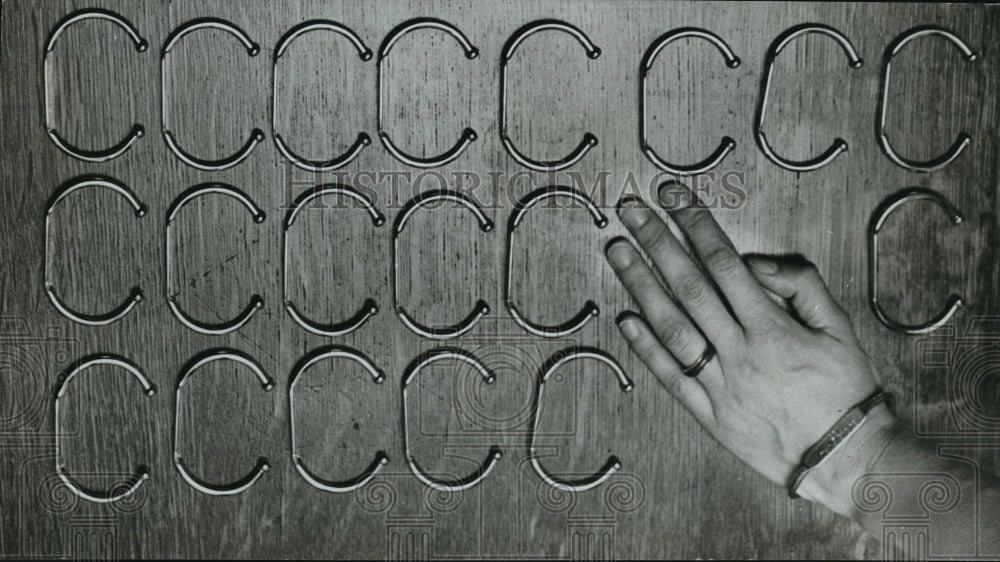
(787,365)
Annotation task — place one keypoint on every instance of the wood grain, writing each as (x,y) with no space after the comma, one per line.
(679,494)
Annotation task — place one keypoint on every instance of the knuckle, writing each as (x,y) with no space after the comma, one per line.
(692,289)
(697,217)
(653,236)
(722,260)
(643,284)
(674,335)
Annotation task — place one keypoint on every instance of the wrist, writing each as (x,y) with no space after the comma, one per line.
(830,483)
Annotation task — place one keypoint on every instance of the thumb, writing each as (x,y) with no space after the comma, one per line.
(798,281)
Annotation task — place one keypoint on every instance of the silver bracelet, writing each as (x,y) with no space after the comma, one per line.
(836,435)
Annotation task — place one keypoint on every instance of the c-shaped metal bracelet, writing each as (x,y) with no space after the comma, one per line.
(262,466)
(135,296)
(726,146)
(468,135)
(878,221)
(381,458)
(494,454)
(141,473)
(369,308)
(363,139)
(256,136)
(589,140)
(481,308)
(256,301)
(137,132)
(590,308)
(839,145)
(613,464)
(892,50)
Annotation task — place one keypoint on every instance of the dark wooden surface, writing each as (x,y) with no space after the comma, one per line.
(679,493)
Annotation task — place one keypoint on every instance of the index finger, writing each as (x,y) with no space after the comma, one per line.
(716,252)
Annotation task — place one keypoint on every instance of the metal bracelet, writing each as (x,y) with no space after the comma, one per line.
(137,132)
(893,49)
(589,140)
(468,135)
(256,136)
(878,221)
(725,146)
(369,308)
(839,145)
(481,308)
(136,294)
(590,308)
(256,301)
(844,427)
(262,466)
(363,139)
(613,464)
(381,458)
(494,454)
(141,473)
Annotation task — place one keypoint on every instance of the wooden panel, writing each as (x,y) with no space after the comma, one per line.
(679,493)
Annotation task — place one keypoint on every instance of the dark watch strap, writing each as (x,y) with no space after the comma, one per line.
(834,437)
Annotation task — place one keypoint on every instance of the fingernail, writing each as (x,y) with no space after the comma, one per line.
(629,200)
(620,255)
(634,217)
(629,328)
(763,265)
